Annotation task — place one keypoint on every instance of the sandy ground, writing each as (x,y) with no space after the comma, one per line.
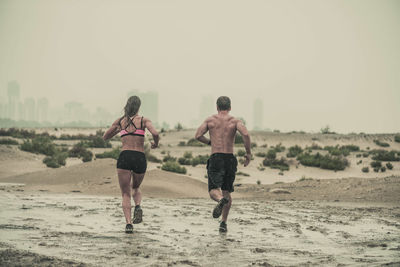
(72,216)
(87,229)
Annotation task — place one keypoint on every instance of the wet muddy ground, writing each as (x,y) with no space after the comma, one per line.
(77,230)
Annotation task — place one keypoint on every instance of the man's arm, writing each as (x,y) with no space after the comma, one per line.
(113,130)
(154,133)
(201,131)
(246,138)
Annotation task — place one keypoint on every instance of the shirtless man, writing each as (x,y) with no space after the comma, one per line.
(222,164)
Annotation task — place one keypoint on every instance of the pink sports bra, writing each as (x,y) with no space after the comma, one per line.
(138,131)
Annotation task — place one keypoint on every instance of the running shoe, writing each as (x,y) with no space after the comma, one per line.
(137,215)
(222,227)
(129,228)
(218,208)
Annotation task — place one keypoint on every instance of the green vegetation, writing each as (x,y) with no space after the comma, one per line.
(241,153)
(294,151)
(258,182)
(194,142)
(168,157)
(242,174)
(114,154)
(178,126)
(384,155)
(261,154)
(276,164)
(173,166)
(278,148)
(326,130)
(389,166)
(341,150)
(271,154)
(365,169)
(314,147)
(8,141)
(188,159)
(376,164)
(79,150)
(383,169)
(382,144)
(39,145)
(57,160)
(328,162)
(397,138)
(238,139)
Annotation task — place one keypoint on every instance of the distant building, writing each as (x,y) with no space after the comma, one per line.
(258,114)
(149,106)
(13,100)
(42,109)
(30,109)
(208,106)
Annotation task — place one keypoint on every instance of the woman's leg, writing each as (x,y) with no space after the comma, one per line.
(137,181)
(124,178)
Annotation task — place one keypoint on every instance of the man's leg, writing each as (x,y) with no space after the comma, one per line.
(216,194)
(227,206)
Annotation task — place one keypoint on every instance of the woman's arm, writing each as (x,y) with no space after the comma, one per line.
(153,132)
(114,129)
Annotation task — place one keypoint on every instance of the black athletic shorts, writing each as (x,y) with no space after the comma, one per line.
(132,160)
(221,171)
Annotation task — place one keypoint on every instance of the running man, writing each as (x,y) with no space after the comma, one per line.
(222,164)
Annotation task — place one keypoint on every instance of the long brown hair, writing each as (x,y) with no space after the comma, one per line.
(131,108)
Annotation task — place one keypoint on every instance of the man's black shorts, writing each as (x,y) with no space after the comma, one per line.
(221,171)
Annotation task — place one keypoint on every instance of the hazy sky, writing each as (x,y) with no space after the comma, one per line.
(311,62)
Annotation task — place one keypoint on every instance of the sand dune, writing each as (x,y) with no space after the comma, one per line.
(99,177)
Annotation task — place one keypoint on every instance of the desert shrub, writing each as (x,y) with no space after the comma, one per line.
(258,182)
(199,159)
(314,147)
(376,169)
(181,143)
(276,164)
(397,138)
(328,162)
(261,154)
(185,161)
(389,166)
(238,139)
(380,143)
(279,148)
(294,151)
(376,164)
(241,153)
(351,148)
(173,166)
(358,156)
(150,157)
(365,169)
(51,162)
(242,174)
(77,150)
(8,141)
(98,142)
(114,154)
(271,154)
(303,178)
(383,169)
(253,145)
(17,133)
(384,155)
(187,155)
(260,168)
(168,157)
(194,142)
(326,130)
(86,156)
(56,160)
(39,145)
(337,151)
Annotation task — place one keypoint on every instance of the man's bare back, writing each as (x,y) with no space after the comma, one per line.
(222,128)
